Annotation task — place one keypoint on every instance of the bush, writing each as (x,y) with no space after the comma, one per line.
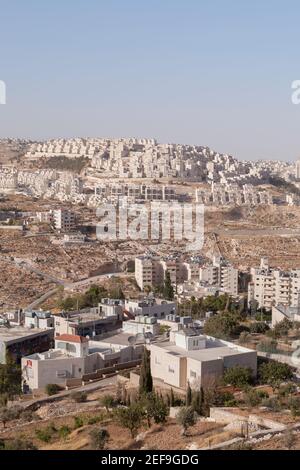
(238,376)
(96,419)
(287,389)
(79,397)
(294,406)
(252,398)
(259,327)
(108,401)
(272,403)
(18,444)
(78,422)
(44,435)
(99,438)
(53,389)
(64,431)
(9,414)
(186,418)
(273,373)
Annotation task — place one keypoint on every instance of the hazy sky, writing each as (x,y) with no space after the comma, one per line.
(214,72)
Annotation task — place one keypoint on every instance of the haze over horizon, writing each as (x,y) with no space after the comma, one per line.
(202,73)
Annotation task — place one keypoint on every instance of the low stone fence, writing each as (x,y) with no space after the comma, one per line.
(110,370)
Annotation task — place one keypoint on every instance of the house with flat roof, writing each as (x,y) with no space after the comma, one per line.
(199,360)
(75,356)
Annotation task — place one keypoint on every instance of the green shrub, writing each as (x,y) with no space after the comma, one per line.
(238,376)
(96,419)
(53,389)
(44,435)
(78,422)
(259,327)
(64,431)
(273,373)
(99,438)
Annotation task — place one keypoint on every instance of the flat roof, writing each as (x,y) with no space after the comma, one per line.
(8,335)
(118,339)
(210,353)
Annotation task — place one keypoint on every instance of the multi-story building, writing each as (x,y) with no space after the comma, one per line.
(64,220)
(151,271)
(142,325)
(102,319)
(156,308)
(271,286)
(220,273)
(20,341)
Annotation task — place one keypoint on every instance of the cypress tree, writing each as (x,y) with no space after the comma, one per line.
(197,402)
(146,382)
(172,398)
(168,290)
(188,398)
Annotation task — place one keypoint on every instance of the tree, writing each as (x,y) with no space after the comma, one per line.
(197,401)
(221,326)
(238,376)
(131,418)
(168,291)
(282,328)
(99,438)
(146,381)
(10,378)
(186,418)
(154,408)
(9,414)
(107,401)
(172,398)
(188,398)
(273,373)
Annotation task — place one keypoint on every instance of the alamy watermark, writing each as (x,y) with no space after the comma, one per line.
(296,92)
(157,221)
(2,92)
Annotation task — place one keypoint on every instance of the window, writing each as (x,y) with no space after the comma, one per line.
(193,374)
(156,360)
(171,370)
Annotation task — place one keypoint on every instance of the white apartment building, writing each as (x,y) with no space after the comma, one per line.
(271,286)
(156,308)
(199,360)
(151,270)
(220,273)
(141,325)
